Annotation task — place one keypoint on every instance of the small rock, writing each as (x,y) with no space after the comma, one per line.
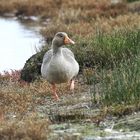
(31,70)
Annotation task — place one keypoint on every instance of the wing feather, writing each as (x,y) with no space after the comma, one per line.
(67,51)
(47,56)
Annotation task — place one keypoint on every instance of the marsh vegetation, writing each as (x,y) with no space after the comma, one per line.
(107,48)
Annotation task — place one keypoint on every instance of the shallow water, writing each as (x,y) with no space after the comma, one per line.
(17,43)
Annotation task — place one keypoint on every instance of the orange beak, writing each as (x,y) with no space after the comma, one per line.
(67,40)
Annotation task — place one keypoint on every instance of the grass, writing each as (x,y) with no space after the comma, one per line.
(109,80)
(109,60)
(121,86)
(114,65)
(74,17)
(48,8)
(30,129)
(83,30)
(132,0)
(107,49)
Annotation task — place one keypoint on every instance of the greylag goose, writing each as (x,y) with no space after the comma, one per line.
(59,64)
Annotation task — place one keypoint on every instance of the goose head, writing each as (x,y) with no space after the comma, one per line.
(60,39)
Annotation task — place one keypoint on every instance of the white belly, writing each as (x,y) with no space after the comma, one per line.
(59,71)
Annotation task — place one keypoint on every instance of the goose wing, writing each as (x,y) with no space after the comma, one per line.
(47,56)
(68,52)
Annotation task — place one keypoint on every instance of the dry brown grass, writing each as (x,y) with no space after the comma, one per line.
(19,118)
(26,109)
(25,129)
(79,17)
(21,99)
(27,7)
(87,29)
(49,8)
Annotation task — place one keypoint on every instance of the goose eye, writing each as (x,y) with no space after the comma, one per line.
(60,35)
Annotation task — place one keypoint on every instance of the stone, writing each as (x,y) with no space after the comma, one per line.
(32,68)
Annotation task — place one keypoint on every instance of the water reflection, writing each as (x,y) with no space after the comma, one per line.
(17,44)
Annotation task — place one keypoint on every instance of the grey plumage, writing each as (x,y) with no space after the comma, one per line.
(59,64)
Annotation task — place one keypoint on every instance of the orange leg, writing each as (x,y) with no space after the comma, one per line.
(54,92)
(72,85)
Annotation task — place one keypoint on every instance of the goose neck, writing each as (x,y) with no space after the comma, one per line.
(56,49)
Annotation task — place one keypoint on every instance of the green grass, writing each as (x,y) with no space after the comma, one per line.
(121,85)
(115,59)
(107,50)
(132,0)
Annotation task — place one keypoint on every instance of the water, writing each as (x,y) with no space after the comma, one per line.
(17,43)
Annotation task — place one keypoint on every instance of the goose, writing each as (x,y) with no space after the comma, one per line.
(59,64)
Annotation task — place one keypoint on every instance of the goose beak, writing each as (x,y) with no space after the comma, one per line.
(67,40)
